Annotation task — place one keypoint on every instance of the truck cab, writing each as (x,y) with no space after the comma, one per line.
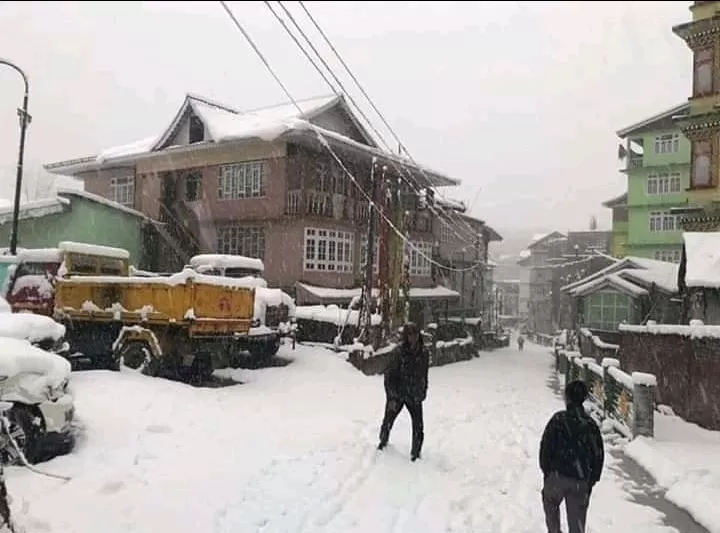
(31,280)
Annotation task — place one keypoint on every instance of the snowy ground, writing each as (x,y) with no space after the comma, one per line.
(684,459)
(292,449)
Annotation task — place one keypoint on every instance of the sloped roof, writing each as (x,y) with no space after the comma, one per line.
(541,238)
(615,281)
(632,275)
(617,201)
(225,124)
(669,113)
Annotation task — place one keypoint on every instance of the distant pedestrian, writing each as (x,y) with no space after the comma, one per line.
(571,458)
(406,383)
(521,342)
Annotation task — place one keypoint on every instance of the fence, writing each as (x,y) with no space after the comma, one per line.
(686,360)
(626,402)
(592,346)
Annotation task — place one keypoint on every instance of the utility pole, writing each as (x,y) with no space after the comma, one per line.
(477,277)
(25,119)
(383,259)
(366,297)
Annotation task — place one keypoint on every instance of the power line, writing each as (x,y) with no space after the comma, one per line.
(323,141)
(439,214)
(366,95)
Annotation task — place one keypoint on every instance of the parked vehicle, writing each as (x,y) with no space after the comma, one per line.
(274,315)
(36,382)
(181,326)
(40,330)
(31,283)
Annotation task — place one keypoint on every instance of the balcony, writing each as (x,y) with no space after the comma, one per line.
(635,162)
(319,204)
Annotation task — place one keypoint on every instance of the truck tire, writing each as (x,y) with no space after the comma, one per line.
(264,351)
(137,356)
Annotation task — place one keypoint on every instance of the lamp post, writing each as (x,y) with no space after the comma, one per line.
(24,121)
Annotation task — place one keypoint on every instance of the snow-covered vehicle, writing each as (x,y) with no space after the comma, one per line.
(40,330)
(36,382)
(31,282)
(274,314)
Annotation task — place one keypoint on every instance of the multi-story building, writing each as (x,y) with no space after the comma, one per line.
(262,184)
(702,124)
(619,208)
(658,176)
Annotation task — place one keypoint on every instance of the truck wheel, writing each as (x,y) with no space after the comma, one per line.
(137,356)
(264,351)
(25,433)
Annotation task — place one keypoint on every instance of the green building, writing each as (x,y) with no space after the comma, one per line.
(82,217)
(618,245)
(657,157)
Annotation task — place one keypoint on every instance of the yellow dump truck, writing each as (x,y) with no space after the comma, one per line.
(180,326)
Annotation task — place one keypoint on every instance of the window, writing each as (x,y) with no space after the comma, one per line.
(444,231)
(192,186)
(663,183)
(703,79)
(667,144)
(328,250)
(197,130)
(419,253)
(122,191)
(701,163)
(241,240)
(669,256)
(663,221)
(241,180)
(363,255)
(605,310)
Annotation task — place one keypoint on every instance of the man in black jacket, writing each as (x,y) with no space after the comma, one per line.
(406,382)
(571,459)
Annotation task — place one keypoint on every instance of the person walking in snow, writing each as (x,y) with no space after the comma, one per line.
(571,458)
(406,383)
(521,342)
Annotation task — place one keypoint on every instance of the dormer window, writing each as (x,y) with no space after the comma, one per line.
(197,130)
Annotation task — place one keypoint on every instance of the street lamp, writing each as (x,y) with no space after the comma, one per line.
(24,121)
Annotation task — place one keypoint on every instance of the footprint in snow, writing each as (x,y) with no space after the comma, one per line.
(154,428)
(112,487)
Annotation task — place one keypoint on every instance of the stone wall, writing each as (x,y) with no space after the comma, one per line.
(625,401)
(686,361)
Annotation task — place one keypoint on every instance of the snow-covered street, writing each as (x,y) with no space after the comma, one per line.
(292,449)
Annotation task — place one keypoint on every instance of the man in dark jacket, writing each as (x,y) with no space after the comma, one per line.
(571,459)
(406,382)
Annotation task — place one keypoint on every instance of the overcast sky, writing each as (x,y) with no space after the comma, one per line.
(519,100)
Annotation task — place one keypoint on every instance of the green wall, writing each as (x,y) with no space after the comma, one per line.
(83,221)
(641,241)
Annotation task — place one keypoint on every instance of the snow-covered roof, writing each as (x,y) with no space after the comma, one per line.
(35,209)
(449,203)
(619,264)
(615,281)
(617,201)
(65,193)
(702,259)
(525,254)
(664,277)
(225,124)
(668,114)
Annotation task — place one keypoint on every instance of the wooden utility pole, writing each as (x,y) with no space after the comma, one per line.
(366,297)
(384,266)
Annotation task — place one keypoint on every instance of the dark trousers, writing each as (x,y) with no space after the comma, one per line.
(393,406)
(577,499)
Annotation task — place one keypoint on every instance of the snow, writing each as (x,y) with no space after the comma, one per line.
(133,148)
(665,277)
(40,255)
(224,126)
(93,249)
(332,314)
(347,294)
(20,357)
(227,261)
(5,307)
(525,254)
(35,209)
(695,331)
(641,378)
(684,459)
(614,280)
(621,377)
(63,192)
(39,282)
(702,252)
(170,457)
(179,278)
(265,297)
(28,326)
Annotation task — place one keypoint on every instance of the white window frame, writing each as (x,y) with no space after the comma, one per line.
(328,250)
(668,256)
(664,183)
(662,221)
(419,254)
(237,239)
(237,181)
(122,190)
(667,143)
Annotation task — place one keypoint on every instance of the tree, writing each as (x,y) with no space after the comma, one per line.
(593,222)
